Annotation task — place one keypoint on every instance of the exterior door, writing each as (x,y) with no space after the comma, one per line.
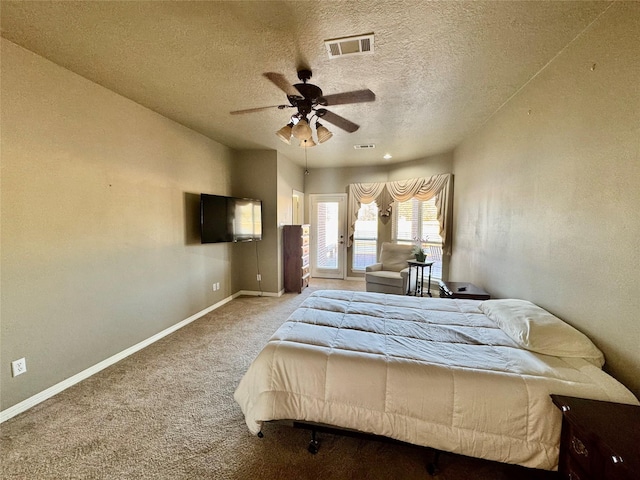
(328,235)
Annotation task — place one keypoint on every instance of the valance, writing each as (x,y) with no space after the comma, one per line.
(385,193)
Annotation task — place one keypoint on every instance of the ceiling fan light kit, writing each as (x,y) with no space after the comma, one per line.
(302,130)
(323,133)
(284,133)
(306,98)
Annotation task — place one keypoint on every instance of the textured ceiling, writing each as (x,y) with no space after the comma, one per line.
(439,71)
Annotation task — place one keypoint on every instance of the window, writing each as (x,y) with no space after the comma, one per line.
(419,219)
(365,237)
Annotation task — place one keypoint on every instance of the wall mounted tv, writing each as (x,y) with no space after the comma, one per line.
(229,219)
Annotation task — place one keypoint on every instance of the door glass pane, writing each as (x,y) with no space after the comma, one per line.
(365,237)
(327,236)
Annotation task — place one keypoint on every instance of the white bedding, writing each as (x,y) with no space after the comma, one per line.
(431,372)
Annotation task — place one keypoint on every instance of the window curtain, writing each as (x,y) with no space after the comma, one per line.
(385,193)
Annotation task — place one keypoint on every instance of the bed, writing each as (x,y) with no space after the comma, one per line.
(463,376)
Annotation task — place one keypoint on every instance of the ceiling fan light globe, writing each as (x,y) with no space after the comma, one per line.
(307,143)
(323,134)
(302,130)
(284,134)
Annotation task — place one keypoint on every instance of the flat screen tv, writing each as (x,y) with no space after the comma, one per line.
(229,219)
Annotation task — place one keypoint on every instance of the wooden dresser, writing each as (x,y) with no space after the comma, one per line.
(296,257)
(600,440)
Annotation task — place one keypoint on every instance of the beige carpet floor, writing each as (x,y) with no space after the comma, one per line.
(167,412)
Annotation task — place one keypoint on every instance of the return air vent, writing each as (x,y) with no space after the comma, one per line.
(364,146)
(356,45)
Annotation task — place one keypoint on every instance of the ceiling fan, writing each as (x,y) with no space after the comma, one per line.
(309,102)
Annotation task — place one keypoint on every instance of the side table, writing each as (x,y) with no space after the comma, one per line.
(419,280)
(462,290)
(599,440)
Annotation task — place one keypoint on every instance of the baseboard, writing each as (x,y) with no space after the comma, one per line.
(253,293)
(78,377)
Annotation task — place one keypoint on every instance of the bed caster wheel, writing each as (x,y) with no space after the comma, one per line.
(313,447)
(432,467)
(260,434)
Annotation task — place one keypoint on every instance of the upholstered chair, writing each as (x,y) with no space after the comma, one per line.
(391,273)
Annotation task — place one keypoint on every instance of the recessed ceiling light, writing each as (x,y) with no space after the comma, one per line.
(387,156)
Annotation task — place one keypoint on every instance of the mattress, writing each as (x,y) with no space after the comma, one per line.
(433,372)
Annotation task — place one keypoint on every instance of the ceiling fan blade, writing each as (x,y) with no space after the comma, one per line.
(282,83)
(357,96)
(337,120)
(258,109)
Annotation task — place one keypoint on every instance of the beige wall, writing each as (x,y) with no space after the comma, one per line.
(337,180)
(249,257)
(100,239)
(271,178)
(426,167)
(547,193)
(290,178)
(100,222)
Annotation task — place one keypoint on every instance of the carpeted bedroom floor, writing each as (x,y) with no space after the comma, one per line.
(167,412)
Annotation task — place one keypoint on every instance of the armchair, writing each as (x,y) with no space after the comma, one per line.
(391,273)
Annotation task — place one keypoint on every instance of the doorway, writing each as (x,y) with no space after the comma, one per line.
(297,207)
(328,234)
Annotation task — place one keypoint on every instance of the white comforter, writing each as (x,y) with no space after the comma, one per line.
(432,372)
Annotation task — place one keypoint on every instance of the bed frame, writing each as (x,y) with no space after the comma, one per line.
(314,443)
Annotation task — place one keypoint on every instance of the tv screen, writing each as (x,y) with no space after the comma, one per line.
(229,219)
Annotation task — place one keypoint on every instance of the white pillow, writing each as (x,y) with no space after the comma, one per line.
(535,329)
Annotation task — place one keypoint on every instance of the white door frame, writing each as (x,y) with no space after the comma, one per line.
(297,213)
(341,271)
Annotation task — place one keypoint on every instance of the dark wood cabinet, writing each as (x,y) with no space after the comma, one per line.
(599,441)
(296,257)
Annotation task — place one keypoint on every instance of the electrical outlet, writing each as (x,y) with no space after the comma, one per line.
(214,287)
(217,285)
(18,367)
(259,277)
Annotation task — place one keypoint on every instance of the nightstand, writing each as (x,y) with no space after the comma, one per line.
(599,441)
(462,290)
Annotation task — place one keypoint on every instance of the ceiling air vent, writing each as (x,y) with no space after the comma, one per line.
(356,45)
(364,146)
